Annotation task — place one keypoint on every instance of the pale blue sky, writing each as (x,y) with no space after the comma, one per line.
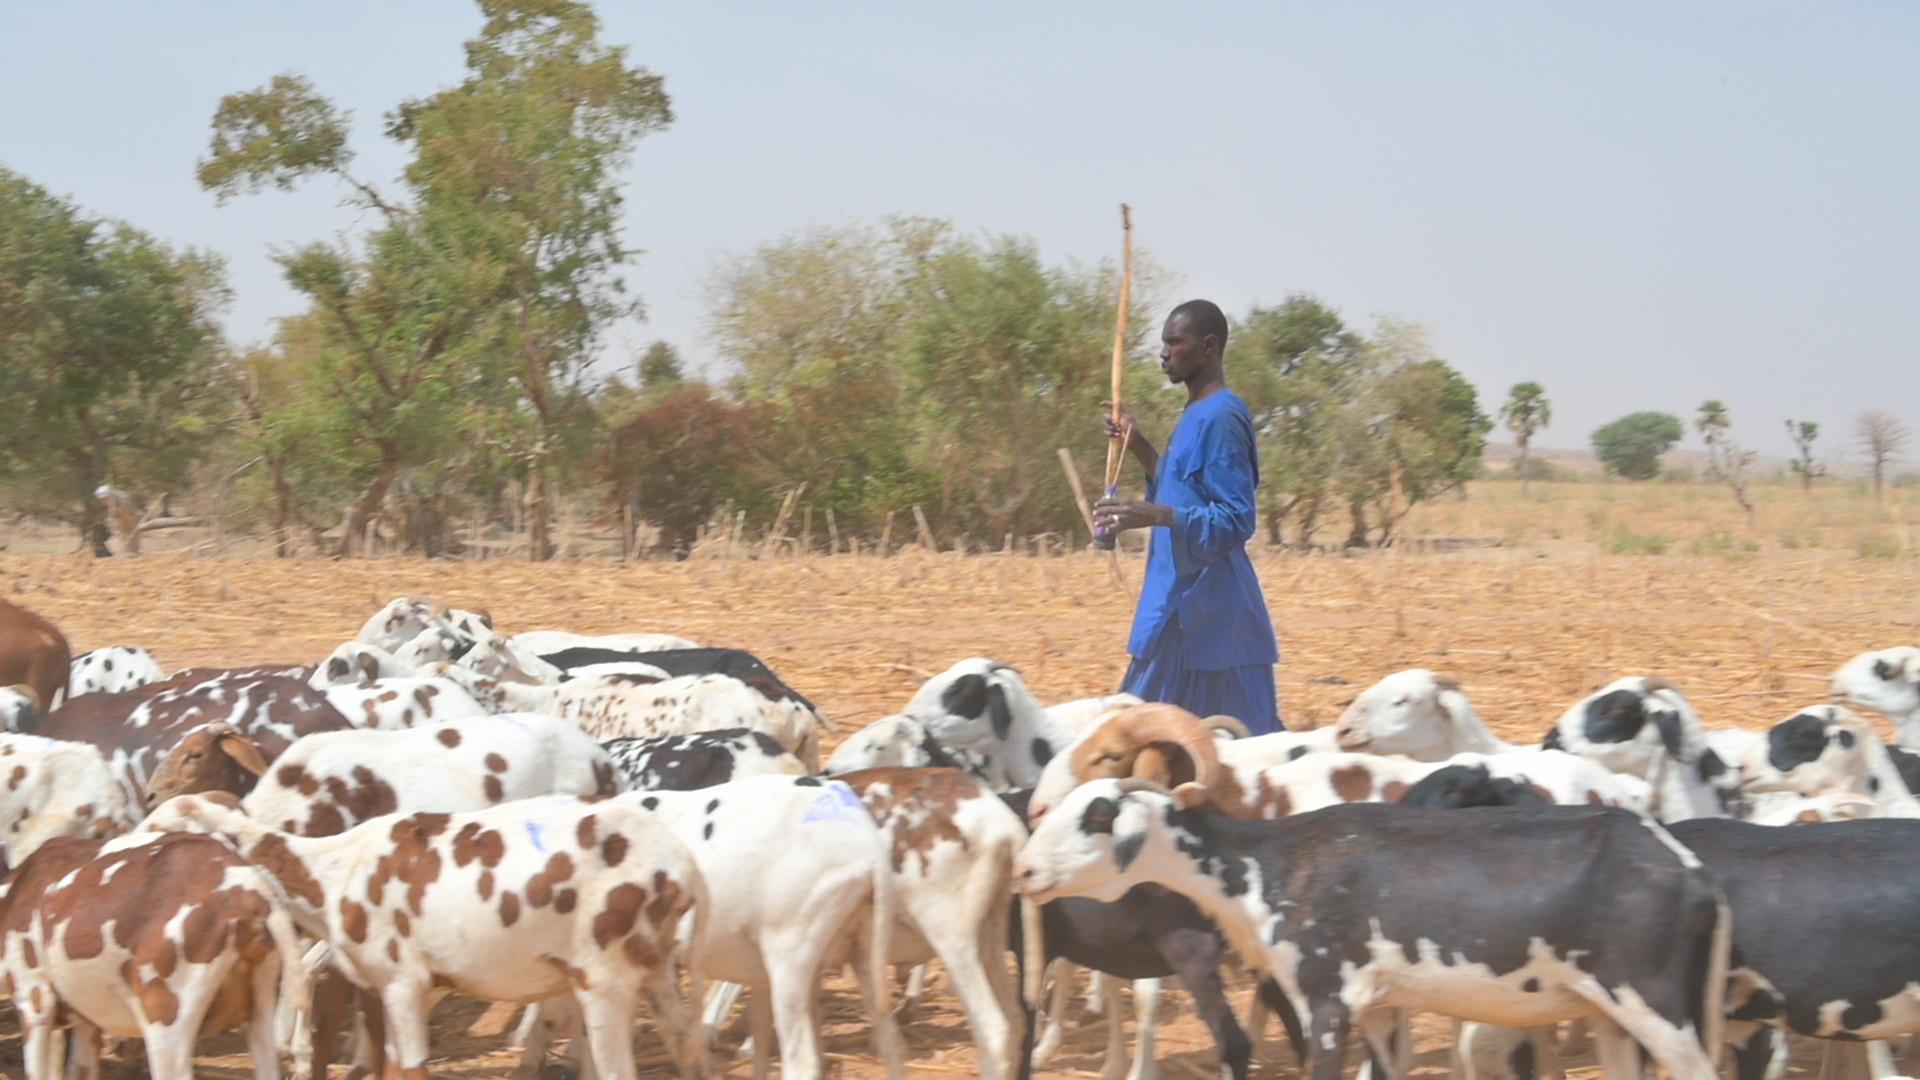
(1639,204)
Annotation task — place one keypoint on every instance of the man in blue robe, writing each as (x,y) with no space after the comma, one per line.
(1201,637)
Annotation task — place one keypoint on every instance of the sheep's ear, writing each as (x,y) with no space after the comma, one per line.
(1191,796)
(241,749)
(1151,764)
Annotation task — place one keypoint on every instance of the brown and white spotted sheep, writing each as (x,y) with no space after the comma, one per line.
(270,711)
(165,940)
(613,706)
(795,868)
(328,783)
(392,704)
(521,902)
(952,843)
(50,789)
(33,653)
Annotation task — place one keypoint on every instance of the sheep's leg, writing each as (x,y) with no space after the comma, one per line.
(1619,1055)
(1056,1018)
(263,1042)
(1383,1031)
(405,1004)
(1327,1027)
(607,1016)
(1146,1006)
(1114,1065)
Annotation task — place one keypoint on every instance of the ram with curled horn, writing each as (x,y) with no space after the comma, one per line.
(1161,743)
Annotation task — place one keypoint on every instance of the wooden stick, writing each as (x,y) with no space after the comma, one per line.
(1116,446)
(927,542)
(1117,443)
(1073,480)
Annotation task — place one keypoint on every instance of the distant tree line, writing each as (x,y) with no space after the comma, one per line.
(450,367)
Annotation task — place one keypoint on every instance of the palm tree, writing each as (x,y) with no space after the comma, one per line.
(1526,411)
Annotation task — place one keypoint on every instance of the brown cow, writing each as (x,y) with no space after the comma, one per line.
(32,653)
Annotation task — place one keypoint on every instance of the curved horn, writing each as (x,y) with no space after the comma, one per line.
(1220,722)
(1134,783)
(1173,724)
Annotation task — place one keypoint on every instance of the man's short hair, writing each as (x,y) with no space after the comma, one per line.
(1206,317)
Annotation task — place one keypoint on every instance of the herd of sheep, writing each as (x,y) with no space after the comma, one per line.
(601,827)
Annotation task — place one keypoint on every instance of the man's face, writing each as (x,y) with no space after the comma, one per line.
(1182,351)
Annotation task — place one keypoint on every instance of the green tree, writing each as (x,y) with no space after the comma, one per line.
(1005,359)
(1301,372)
(466,315)
(1525,413)
(1803,433)
(1423,436)
(682,458)
(519,166)
(1726,461)
(810,325)
(107,342)
(1630,447)
(660,367)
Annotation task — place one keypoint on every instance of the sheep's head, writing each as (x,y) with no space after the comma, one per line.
(1413,713)
(213,758)
(1161,744)
(19,707)
(1886,681)
(1637,725)
(497,657)
(1094,845)
(1819,751)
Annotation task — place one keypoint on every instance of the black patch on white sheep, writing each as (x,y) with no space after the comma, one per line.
(1796,742)
(1000,712)
(1614,717)
(808,781)
(1908,763)
(966,696)
(1459,787)
(1710,766)
(1042,751)
(1099,816)
(733,663)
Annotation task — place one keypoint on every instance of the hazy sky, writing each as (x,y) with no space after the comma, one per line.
(1638,204)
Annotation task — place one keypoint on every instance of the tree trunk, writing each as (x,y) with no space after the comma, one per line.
(1526,467)
(353,525)
(1357,537)
(1879,476)
(282,508)
(539,549)
(1309,521)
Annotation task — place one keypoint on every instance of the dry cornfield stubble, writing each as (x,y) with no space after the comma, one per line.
(1748,622)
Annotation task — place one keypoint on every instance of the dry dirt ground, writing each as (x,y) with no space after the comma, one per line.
(1527,627)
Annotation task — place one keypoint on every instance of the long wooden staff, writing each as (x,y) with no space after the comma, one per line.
(1117,445)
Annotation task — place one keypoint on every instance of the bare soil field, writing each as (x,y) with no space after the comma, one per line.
(1750,628)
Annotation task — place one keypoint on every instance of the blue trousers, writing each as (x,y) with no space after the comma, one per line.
(1245,693)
